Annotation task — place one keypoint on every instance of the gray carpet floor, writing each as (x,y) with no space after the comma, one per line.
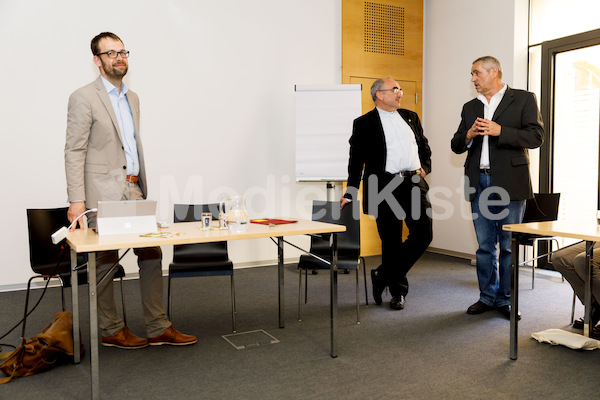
(430,350)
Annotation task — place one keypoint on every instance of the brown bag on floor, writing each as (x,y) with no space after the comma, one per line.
(53,345)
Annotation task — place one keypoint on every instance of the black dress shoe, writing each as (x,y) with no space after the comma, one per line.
(397,303)
(378,287)
(479,308)
(595,332)
(578,323)
(505,311)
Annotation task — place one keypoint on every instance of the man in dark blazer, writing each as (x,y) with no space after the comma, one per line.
(495,130)
(388,143)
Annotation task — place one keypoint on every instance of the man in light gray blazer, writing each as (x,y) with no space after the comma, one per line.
(104,160)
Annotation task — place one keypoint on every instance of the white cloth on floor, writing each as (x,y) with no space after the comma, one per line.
(568,339)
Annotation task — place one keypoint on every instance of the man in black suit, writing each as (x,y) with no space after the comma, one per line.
(388,142)
(495,130)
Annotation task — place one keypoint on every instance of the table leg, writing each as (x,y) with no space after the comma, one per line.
(333,294)
(587,300)
(281,282)
(75,307)
(94,364)
(514,295)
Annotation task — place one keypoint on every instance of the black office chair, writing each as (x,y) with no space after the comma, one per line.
(542,207)
(348,247)
(50,260)
(200,259)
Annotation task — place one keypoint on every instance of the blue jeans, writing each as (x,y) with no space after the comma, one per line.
(493,272)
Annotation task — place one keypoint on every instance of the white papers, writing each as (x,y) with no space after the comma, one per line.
(324,116)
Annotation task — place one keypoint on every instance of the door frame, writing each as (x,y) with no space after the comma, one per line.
(549,51)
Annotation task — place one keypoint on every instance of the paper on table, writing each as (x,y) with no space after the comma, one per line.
(162,234)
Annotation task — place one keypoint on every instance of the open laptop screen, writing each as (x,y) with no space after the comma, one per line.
(129,216)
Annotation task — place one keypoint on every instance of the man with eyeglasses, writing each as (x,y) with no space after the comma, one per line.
(389,151)
(104,161)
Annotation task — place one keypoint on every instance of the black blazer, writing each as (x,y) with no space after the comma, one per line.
(522,129)
(368,150)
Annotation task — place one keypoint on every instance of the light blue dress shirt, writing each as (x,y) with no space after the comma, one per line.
(126,126)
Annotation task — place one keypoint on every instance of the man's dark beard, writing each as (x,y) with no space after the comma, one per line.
(113,73)
(116,73)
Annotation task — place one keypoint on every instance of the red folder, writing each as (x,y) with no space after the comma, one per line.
(272,221)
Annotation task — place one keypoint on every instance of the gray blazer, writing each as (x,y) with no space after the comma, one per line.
(95,162)
(522,129)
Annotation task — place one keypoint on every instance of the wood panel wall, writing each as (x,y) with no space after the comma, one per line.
(382,38)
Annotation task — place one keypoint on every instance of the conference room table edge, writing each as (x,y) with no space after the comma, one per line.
(585,230)
(88,241)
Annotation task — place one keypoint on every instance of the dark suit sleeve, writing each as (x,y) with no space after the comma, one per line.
(530,134)
(357,157)
(458,143)
(423,143)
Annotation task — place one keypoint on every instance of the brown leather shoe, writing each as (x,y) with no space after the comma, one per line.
(124,339)
(172,337)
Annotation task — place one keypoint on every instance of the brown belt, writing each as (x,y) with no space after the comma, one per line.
(131,178)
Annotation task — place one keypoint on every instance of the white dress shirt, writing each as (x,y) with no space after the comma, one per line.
(401,144)
(488,113)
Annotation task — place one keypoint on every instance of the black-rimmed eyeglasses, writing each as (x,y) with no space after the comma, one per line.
(396,90)
(115,54)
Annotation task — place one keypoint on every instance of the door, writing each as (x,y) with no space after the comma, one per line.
(576,128)
(569,160)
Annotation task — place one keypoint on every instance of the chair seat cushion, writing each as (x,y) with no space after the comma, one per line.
(310,262)
(82,277)
(198,253)
(527,239)
(196,268)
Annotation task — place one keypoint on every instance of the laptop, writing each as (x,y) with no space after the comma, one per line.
(129,216)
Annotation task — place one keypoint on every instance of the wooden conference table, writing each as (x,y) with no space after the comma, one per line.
(587,230)
(88,241)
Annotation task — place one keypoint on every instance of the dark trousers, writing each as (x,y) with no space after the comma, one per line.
(398,257)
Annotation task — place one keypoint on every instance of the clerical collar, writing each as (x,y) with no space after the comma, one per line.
(383,112)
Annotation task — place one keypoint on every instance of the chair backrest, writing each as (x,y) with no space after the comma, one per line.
(348,241)
(43,254)
(193,212)
(199,251)
(542,207)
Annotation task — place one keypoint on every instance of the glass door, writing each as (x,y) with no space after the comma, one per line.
(570,106)
(576,131)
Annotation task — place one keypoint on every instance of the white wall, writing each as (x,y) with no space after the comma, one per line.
(216,81)
(216,85)
(456,33)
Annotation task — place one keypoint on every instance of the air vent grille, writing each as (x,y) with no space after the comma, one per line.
(384,29)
